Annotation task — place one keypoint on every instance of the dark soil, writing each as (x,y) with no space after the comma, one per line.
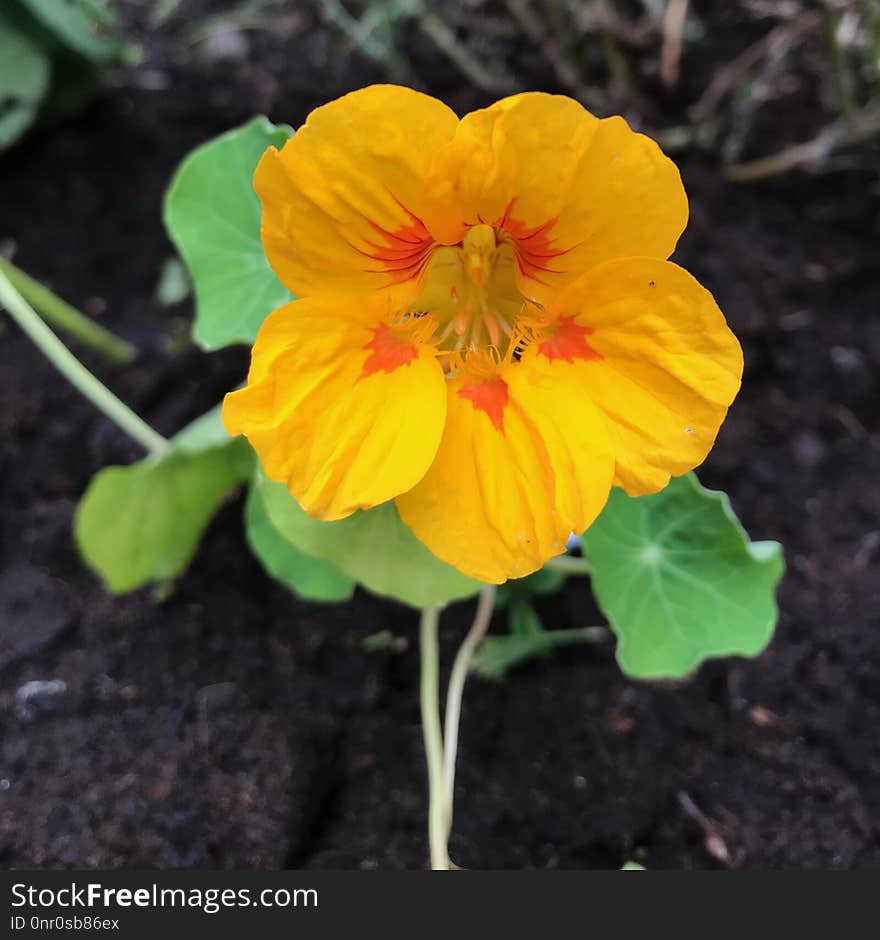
(232,726)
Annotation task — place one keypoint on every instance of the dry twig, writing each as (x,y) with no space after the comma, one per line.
(673,27)
(783,37)
(566,74)
(811,154)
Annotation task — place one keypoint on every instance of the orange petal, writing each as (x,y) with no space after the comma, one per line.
(524,461)
(342,405)
(649,346)
(343,199)
(570,190)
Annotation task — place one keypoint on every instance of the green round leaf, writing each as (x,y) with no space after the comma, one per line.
(143,522)
(308,577)
(679,580)
(212,215)
(24,79)
(374,547)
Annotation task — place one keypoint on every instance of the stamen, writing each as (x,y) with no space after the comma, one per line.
(450,326)
(494,329)
(471,290)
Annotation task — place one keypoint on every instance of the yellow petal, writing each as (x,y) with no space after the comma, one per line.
(652,350)
(342,405)
(570,190)
(343,199)
(524,461)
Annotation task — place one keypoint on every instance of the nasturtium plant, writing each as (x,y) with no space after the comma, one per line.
(52,53)
(488,330)
(309,578)
(142,523)
(527,638)
(371,546)
(679,580)
(491,354)
(213,217)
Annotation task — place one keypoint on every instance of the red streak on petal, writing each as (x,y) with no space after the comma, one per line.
(533,245)
(403,253)
(567,340)
(388,352)
(489,396)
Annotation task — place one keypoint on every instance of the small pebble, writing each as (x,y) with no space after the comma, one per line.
(39,697)
(762,717)
(216,697)
(846,359)
(809,451)
(868,550)
(225,45)
(815,272)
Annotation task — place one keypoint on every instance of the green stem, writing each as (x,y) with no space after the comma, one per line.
(460,668)
(574,636)
(568,564)
(430,704)
(67,318)
(75,372)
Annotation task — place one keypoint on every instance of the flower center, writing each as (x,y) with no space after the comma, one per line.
(470,289)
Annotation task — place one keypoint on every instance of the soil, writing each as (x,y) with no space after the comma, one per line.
(232,726)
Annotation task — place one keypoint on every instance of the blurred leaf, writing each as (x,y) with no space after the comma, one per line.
(497,655)
(24,80)
(212,215)
(523,619)
(163,10)
(308,577)
(632,866)
(544,581)
(143,522)
(384,642)
(87,27)
(679,580)
(374,547)
(52,53)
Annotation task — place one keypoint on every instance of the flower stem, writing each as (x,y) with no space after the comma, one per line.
(67,318)
(430,704)
(75,372)
(454,695)
(576,636)
(569,564)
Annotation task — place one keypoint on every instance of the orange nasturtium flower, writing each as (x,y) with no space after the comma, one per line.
(488,330)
